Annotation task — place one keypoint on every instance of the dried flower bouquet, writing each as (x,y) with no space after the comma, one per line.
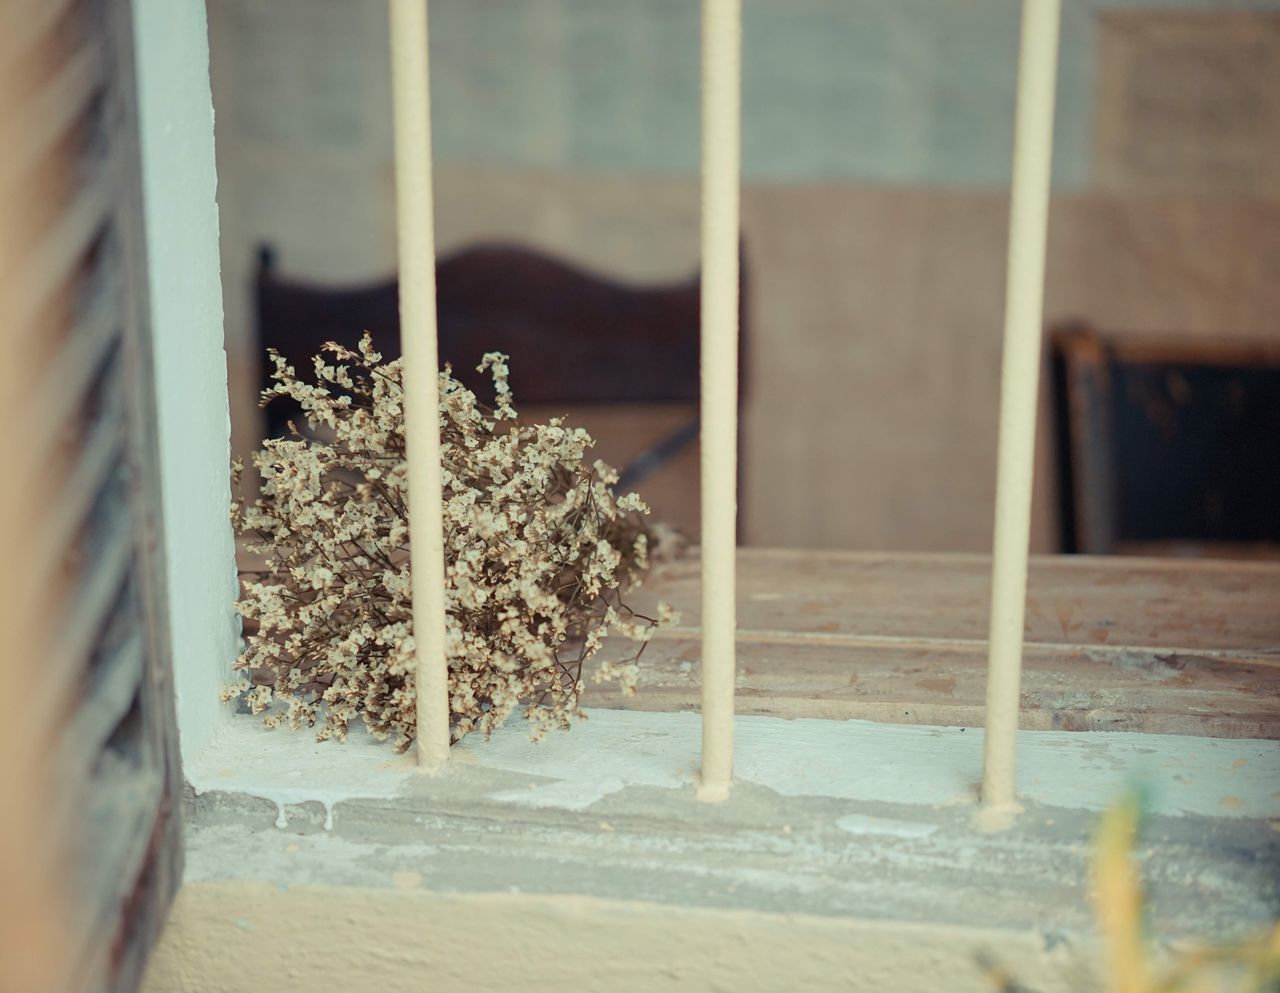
(539,553)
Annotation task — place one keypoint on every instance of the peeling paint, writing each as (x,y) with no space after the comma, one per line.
(856,760)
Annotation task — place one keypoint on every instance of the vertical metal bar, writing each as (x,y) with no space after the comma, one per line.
(721,142)
(411,97)
(1020,377)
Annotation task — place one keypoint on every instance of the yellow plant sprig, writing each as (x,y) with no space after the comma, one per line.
(1118,900)
(1250,965)
(1119,906)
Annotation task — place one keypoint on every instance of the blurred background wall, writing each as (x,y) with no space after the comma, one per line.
(877,142)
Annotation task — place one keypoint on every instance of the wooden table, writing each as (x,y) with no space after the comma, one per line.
(1113,644)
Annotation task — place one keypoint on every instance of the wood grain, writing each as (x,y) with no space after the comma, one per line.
(1112,644)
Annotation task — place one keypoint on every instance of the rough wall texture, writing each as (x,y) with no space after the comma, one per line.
(245,938)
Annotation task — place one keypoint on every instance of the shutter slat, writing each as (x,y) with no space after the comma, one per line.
(67,380)
(111,691)
(121,807)
(87,605)
(65,669)
(103,452)
(57,257)
(52,114)
(88,610)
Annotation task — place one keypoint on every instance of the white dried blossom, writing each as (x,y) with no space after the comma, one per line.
(538,554)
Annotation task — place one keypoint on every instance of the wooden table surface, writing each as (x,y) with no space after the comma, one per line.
(1113,644)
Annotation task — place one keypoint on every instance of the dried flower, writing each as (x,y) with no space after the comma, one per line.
(538,552)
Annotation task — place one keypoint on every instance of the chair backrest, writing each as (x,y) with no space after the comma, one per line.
(1165,444)
(573,336)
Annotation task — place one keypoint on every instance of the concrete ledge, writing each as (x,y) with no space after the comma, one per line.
(837,819)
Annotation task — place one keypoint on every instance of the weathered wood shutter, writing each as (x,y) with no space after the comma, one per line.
(89,664)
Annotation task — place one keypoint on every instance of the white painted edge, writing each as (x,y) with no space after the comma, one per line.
(851,760)
(185,300)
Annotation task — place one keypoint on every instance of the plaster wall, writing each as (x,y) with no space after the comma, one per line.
(179,190)
(877,143)
(873,373)
(246,937)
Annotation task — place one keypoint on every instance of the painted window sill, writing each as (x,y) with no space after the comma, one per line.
(831,814)
(837,818)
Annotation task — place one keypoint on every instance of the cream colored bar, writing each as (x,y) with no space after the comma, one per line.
(721,141)
(1024,295)
(411,97)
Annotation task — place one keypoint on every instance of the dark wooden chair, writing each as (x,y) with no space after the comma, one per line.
(574,337)
(1166,446)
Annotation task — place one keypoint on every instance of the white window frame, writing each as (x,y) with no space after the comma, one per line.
(190,363)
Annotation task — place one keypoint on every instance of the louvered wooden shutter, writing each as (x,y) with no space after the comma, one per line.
(92,756)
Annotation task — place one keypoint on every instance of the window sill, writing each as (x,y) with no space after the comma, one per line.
(826,817)
(848,831)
